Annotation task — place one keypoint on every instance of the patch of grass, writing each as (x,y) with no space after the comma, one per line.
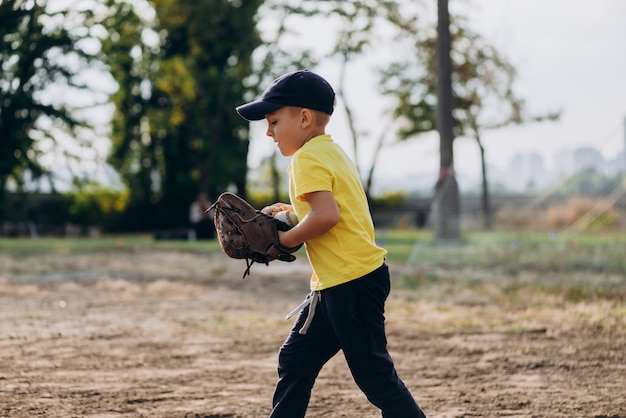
(25,246)
(513,268)
(516,266)
(416,281)
(519,250)
(514,252)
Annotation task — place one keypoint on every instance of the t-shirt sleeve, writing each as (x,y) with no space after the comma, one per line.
(311,175)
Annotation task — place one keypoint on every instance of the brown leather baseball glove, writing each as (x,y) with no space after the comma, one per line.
(246,233)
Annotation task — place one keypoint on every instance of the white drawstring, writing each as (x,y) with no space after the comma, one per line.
(311,301)
(314,299)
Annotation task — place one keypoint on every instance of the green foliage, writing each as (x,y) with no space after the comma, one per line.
(93,204)
(38,50)
(132,153)
(388,200)
(259,198)
(175,129)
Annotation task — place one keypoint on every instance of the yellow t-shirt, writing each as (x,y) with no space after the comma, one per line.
(348,251)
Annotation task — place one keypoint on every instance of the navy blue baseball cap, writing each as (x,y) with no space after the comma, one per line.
(299,88)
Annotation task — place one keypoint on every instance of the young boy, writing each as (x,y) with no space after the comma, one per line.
(350,281)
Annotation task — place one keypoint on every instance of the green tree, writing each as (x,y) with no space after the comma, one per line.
(39,48)
(176,132)
(133,155)
(483,91)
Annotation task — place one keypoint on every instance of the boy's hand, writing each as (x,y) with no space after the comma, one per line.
(324,215)
(272,210)
(284,206)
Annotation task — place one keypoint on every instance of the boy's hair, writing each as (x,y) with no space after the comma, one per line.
(320,119)
(299,88)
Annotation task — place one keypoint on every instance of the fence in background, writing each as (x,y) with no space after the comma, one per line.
(589,210)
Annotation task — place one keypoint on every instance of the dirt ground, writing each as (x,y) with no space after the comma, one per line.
(138,333)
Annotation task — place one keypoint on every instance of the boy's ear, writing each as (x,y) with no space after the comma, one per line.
(306,117)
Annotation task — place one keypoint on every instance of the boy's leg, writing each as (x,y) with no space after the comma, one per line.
(300,360)
(356,310)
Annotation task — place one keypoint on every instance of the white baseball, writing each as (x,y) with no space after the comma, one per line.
(270,210)
(287,216)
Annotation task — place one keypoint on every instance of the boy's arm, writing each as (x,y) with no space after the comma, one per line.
(323,216)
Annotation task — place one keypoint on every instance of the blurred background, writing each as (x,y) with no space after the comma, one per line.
(116,116)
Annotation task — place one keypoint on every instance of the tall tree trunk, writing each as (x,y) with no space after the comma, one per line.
(370,174)
(486,205)
(446,202)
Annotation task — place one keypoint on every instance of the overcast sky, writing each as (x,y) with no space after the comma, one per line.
(570,56)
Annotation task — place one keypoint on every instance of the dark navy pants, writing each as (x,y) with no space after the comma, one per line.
(349,317)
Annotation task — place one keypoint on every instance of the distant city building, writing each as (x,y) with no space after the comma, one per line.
(526,172)
(616,165)
(585,158)
(567,162)
(564,163)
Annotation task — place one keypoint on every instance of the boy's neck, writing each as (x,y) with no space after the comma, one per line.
(313,135)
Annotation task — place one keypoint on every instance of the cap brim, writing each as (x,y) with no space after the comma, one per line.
(257,110)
